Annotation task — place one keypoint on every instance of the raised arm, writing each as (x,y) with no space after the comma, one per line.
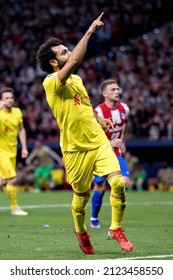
(79,51)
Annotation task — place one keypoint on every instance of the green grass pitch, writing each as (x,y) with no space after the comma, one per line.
(148,223)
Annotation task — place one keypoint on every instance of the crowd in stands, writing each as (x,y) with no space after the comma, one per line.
(42,170)
(135,46)
(161,176)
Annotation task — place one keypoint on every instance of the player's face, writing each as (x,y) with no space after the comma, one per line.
(112,92)
(8,99)
(62,55)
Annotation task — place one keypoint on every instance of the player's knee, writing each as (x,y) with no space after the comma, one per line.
(100,187)
(117,185)
(83,194)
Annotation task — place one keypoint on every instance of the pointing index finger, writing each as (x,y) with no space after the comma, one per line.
(100,16)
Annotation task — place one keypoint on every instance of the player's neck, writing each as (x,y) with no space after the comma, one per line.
(8,110)
(111,104)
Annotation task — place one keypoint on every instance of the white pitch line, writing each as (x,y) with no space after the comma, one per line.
(146,257)
(144,203)
(38,206)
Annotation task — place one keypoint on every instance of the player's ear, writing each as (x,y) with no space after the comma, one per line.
(104,94)
(53,62)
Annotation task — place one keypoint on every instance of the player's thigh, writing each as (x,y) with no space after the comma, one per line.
(79,169)
(106,162)
(7,167)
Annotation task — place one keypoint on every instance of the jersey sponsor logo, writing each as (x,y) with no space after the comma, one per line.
(76,99)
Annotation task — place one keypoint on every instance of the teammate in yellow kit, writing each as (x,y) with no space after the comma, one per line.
(11,126)
(83,142)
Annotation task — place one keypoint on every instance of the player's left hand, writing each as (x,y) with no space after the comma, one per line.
(118,143)
(24,153)
(106,124)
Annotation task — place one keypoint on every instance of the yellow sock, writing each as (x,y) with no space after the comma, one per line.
(117,201)
(79,211)
(12,194)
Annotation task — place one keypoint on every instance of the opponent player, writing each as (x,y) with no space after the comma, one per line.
(117,112)
(11,126)
(83,142)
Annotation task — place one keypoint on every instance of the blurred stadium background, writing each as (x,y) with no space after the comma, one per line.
(135,46)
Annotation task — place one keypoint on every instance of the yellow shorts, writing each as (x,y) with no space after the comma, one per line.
(80,166)
(7,167)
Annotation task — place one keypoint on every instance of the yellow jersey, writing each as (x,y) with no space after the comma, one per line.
(71,107)
(9,124)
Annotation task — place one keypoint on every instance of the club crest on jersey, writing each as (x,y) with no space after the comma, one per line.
(122,114)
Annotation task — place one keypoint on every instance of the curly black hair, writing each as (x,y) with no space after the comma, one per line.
(45,53)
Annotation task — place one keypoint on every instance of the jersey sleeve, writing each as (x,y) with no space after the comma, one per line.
(127,110)
(20,116)
(52,83)
(96,111)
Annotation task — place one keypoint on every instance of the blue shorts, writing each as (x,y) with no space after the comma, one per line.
(124,170)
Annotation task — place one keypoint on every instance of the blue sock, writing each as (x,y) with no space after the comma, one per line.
(96,203)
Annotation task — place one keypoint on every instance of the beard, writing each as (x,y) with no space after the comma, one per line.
(9,106)
(61,64)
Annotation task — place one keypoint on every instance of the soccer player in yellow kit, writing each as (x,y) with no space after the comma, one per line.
(11,126)
(84,145)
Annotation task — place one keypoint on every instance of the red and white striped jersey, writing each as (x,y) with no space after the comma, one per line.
(118,116)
